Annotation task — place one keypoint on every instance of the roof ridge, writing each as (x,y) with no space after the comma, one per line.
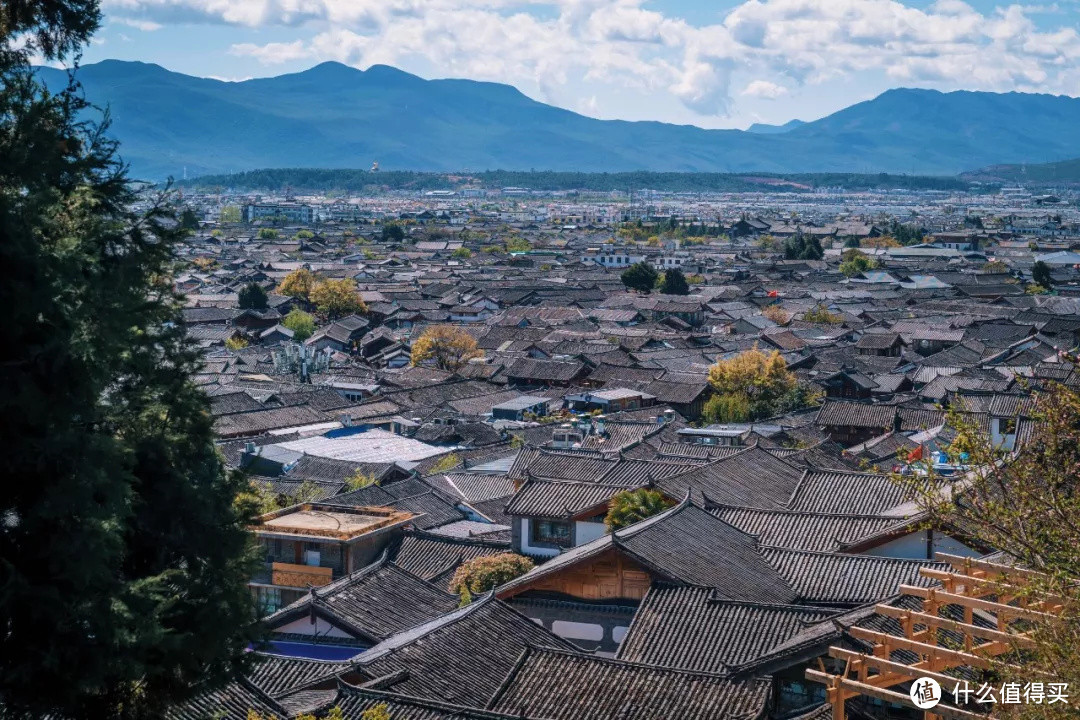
(410,635)
(854,556)
(758,603)
(262,695)
(786,511)
(634,664)
(294,658)
(457,710)
(428,535)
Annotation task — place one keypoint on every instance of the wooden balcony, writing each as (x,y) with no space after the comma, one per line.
(300,576)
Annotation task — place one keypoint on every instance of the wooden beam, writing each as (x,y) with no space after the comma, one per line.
(921,618)
(989,586)
(934,652)
(945,711)
(909,672)
(961,562)
(940,597)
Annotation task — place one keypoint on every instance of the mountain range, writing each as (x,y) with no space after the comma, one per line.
(766,129)
(333,116)
(1061,173)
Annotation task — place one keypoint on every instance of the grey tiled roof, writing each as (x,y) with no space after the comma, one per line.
(802,530)
(833,491)
(559,498)
(586,465)
(838,579)
(852,414)
(376,602)
(432,557)
(233,701)
(752,477)
(695,628)
(563,685)
(684,545)
(354,701)
(461,657)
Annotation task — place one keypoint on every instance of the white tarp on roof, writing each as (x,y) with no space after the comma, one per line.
(369,446)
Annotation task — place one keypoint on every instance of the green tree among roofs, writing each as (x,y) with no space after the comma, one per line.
(640,276)
(631,506)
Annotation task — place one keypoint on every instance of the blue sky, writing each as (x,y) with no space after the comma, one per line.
(718,64)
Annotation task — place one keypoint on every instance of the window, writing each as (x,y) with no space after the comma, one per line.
(267,600)
(551,532)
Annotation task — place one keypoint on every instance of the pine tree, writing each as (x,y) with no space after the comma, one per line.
(640,276)
(392,233)
(674,283)
(123,551)
(1040,274)
(253,296)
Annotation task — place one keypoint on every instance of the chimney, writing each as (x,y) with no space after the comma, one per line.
(346,420)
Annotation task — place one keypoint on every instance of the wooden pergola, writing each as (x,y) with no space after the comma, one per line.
(967,584)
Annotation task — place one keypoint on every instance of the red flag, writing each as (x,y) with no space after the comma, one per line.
(774,293)
(915,454)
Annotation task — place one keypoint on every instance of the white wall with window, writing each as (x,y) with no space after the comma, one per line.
(544,537)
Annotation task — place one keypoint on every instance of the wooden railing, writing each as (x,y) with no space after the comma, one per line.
(299,576)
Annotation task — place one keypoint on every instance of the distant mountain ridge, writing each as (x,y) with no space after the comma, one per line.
(1064,173)
(333,116)
(766,129)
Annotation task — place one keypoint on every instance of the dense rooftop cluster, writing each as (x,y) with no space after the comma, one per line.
(780,531)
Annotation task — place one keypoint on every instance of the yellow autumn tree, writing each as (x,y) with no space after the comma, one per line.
(446,346)
(297,284)
(777,314)
(884,241)
(337,297)
(751,385)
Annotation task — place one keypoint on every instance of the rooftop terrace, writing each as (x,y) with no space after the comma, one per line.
(330,521)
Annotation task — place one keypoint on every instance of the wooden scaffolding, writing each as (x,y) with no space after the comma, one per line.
(967,584)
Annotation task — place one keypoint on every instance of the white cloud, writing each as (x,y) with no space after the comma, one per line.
(273,53)
(948,44)
(144,25)
(765,89)
(553,47)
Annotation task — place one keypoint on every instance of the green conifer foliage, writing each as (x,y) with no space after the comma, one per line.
(123,550)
